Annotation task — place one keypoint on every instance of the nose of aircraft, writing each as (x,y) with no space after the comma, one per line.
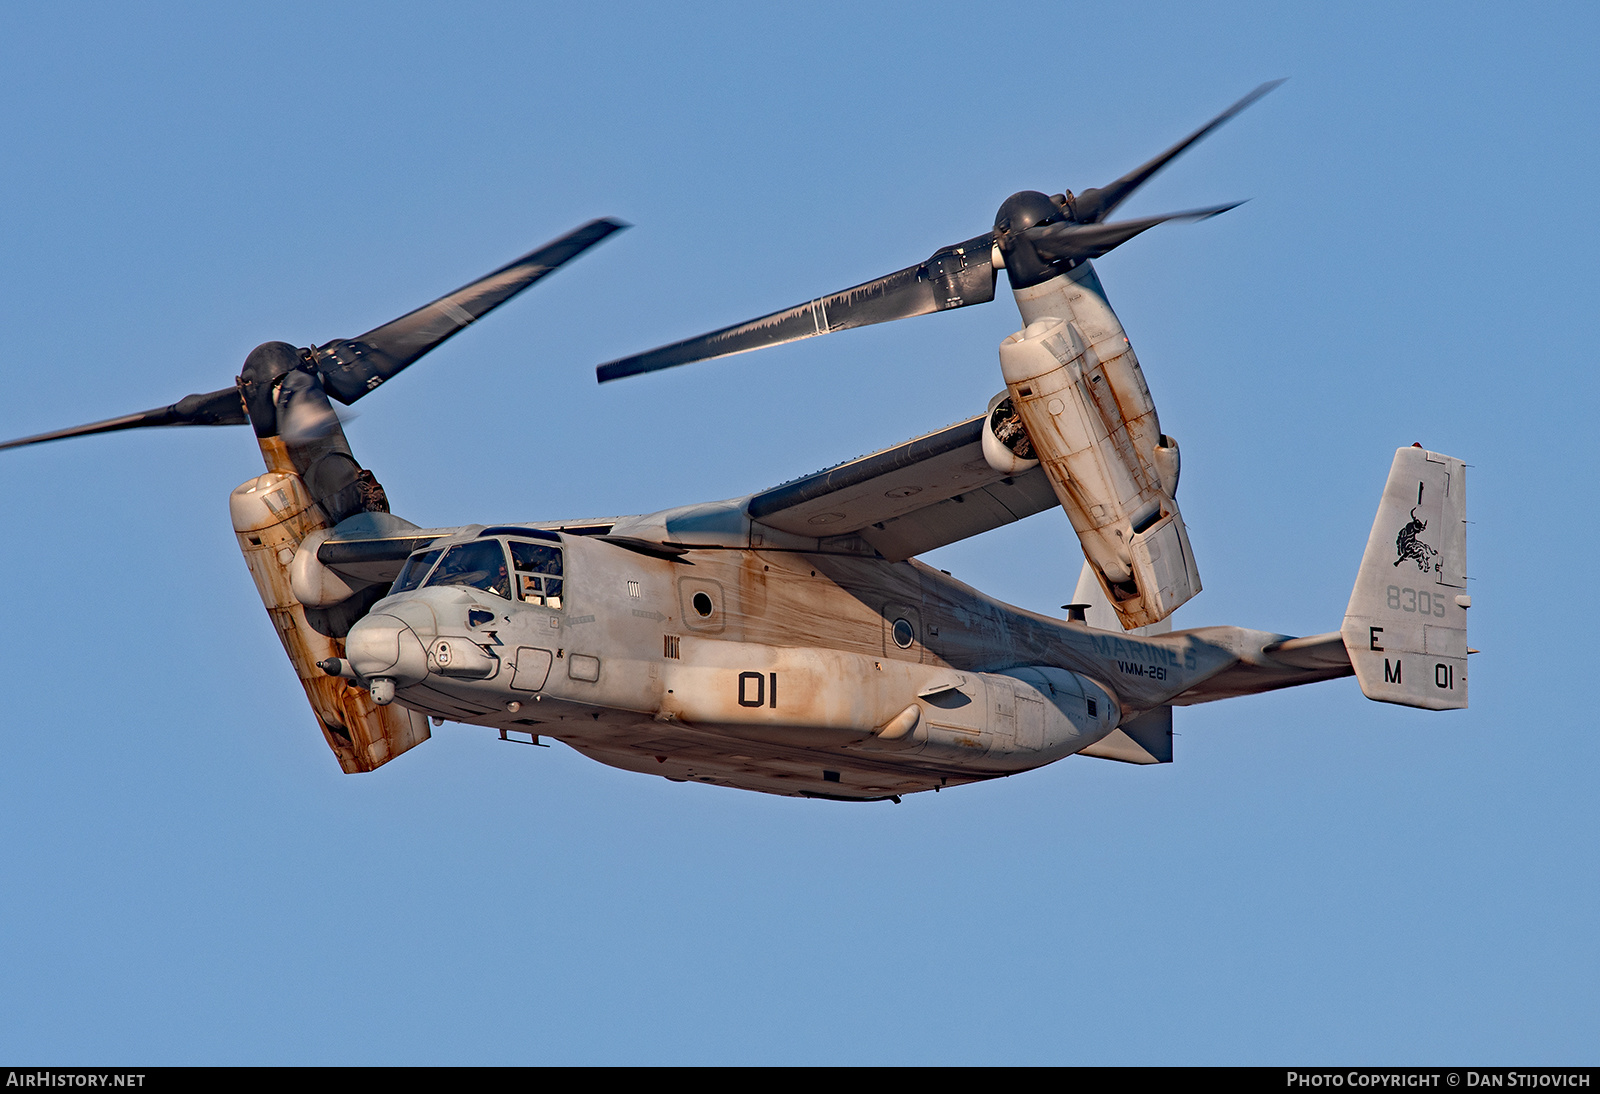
(391,645)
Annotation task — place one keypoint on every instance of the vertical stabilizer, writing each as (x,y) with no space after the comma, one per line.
(1406,627)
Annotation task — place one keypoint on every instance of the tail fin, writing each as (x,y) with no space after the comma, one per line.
(1406,626)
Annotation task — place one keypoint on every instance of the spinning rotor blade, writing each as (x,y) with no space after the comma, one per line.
(287,389)
(1064,241)
(1033,232)
(352,367)
(216,408)
(1096,204)
(303,411)
(953,278)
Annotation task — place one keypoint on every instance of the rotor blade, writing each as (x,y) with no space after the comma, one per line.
(304,413)
(953,278)
(215,408)
(352,367)
(1062,241)
(1095,205)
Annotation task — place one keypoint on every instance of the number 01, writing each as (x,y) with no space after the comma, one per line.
(756,690)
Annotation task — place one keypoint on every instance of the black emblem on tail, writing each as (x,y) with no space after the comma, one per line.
(1407,545)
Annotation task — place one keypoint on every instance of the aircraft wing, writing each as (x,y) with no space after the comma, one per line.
(1277,662)
(905,500)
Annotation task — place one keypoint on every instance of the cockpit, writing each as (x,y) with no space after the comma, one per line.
(513,568)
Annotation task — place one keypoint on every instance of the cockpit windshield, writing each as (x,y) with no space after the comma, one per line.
(480,565)
(415,569)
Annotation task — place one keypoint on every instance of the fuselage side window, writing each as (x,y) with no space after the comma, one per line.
(480,565)
(415,569)
(538,568)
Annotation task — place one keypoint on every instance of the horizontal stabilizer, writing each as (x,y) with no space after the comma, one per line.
(1406,627)
(1265,662)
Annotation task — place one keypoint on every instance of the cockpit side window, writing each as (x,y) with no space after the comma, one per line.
(480,565)
(415,569)
(538,569)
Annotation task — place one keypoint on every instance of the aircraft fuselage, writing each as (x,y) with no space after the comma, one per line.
(791,672)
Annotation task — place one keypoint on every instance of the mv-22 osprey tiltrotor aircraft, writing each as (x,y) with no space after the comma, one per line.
(789,641)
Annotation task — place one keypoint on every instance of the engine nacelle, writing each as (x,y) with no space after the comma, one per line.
(275,517)
(1116,489)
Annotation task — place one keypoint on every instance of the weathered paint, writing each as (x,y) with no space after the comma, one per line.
(273,514)
(1075,381)
(698,644)
(995,690)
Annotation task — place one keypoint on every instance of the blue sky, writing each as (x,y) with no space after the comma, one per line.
(186,877)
